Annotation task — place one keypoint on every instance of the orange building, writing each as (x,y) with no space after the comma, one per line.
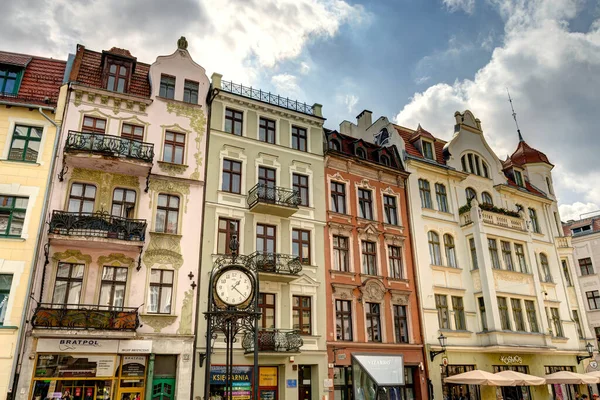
(371,285)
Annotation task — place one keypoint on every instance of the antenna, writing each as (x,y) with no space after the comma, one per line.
(514,115)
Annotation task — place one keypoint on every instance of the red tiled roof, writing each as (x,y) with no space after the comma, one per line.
(20,60)
(528,186)
(525,154)
(409,136)
(41,81)
(593,221)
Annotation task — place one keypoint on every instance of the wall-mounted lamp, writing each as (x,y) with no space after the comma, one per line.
(443,342)
(590,349)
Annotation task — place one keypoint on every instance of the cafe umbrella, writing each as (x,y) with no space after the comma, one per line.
(479,377)
(521,379)
(570,378)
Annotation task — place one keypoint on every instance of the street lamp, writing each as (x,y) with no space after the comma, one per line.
(443,341)
(590,349)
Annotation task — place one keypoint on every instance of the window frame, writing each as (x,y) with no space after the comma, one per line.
(303,188)
(231,172)
(505,323)
(263,305)
(344,319)
(594,296)
(94,127)
(301,242)
(578,325)
(372,318)
(338,252)
(161,284)
(441,197)
(390,209)
(435,251)
(5,71)
(428,151)
(425,194)
(83,198)
(517,311)
(236,119)
(336,196)
(26,139)
(494,256)
(556,322)
(443,312)
(124,204)
(228,232)
(395,262)
(545,269)
(299,137)
(587,267)
(269,126)
(167,86)
(365,204)
(487,199)
(12,210)
(400,321)
(521,258)
(113,284)
(5,296)
(168,210)
(189,87)
(117,76)
(69,279)
(470,194)
(473,251)
(175,144)
(450,250)
(507,258)
(535,223)
(132,135)
(482,313)
(369,255)
(531,313)
(300,308)
(565,267)
(458,309)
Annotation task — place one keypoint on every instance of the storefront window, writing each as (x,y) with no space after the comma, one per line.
(342,383)
(452,392)
(561,391)
(514,392)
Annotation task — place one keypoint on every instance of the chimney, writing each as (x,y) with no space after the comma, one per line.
(216,80)
(364,120)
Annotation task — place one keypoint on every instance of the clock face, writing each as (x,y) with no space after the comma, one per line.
(233,287)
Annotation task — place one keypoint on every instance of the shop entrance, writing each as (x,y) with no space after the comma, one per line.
(130,394)
(304,382)
(162,388)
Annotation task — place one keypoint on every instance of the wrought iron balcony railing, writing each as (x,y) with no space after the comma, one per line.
(275,340)
(266,97)
(262,193)
(83,316)
(277,263)
(100,224)
(111,145)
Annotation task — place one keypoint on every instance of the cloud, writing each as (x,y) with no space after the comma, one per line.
(287,85)
(350,101)
(304,68)
(554,78)
(467,6)
(574,211)
(421,80)
(452,54)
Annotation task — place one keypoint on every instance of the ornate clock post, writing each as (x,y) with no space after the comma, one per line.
(232,310)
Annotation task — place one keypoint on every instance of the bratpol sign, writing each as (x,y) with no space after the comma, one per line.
(94,346)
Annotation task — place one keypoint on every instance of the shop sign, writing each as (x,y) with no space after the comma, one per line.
(268,395)
(135,346)
(105,366)
(267,376)
(511,359)
(327,383)
(242,380)
(291,383)
(134,366)
(77,346)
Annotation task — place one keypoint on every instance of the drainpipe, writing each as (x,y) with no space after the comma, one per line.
(16,367)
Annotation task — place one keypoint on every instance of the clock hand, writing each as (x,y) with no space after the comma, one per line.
(236,289)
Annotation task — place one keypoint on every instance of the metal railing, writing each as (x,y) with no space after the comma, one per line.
(276,263)
(99,224)
(263,193)
(110,145)
(275,340)
(84,316)
(267,97)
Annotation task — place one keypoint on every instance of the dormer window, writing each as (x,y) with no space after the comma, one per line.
(360,153)
(167,86)
(334,145)
(473,164)
(117,77)
(385,160)
(427,150)
(519,178)
(10,78)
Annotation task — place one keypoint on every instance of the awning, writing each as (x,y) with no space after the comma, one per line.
(521,379)
(479,377)
(595,374)
(570,378)
(384,370)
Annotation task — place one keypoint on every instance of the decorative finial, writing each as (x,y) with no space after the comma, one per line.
(182,43)
(514,115)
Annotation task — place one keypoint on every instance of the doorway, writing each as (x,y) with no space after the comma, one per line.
(304,382)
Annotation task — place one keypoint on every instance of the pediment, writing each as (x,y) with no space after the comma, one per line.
(305,280)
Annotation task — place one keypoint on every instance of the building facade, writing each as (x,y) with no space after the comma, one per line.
(113,315)
(371,289)
(265,159)
(29,116)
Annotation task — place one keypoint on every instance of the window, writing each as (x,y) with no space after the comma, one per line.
(67,287)
(482,313)
(442,197)
(535,225)
(546,275)
(338,197)
(434,248)
(174,149)
(365,204)
(369,258)
(112,288)
(470,193)
(82,198)
(507,255)
(266,177)
(504,317)
(486,198)
(343,319)
(133,132)
(9,80)
(458,309)
(340,254)
(400,324)
(450,251)
(190,92)
(266,240)
(233,121)
(232,176)
(531,316)
(549,184)
(427,150)
(586,267)
(373,322)
(452,391)
(266,304)
(266,130)
(300,184)
(123,203)
(167,86)
(25,144)
(593,299)
(12,215)
(520,252)
(385,160)
(360,153)
(117,78)
(301,245)
(441,304)
(390,210)
(473,250)
(5,283)
(395,262)
(518,178)
(301,314)
(485,170)
(425,193)
(565,267)
(334,145)
(493,247)
(227,229)
(474,164)
(517,310)
(161,291)
(577,324)
(556,323)
(299,138)
(167,213)
(93,125)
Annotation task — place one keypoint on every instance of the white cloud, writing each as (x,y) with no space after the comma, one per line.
(350,101)
(554,78)
(467,6)
(575,210)
(422,79)
(304,68)
(287,85)
(453,53)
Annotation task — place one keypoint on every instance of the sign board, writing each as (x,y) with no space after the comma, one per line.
(385,370)
(77,346)
(511,360)
(291,383)
(134,366)
(445,361)
(135,346)
(327,383)
(267,376)
(105,365)
(594,364)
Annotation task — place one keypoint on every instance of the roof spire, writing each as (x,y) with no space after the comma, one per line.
(514,115)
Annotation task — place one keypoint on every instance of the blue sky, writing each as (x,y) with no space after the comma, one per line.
(414,61)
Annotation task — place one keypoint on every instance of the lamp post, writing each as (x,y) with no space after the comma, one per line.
(443,341)
(590,349)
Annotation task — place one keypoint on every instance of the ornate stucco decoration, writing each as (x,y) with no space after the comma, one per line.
(115,260)
(106,183)
(198,125)
(95,94)
(390,191)
(158,321)
(345,292)
(392,239)
(72,254)
(339,229)
(182,43)
(164,248)
(170,186)
(368,231)
(337,177)
(185,322)
(172,169)
(373,290)
(364,184)
(400,298)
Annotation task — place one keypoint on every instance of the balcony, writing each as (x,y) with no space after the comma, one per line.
(494,216)
(563,242)
(109,153)
(274,341)
(273,200)
(81,316)
(96,229)
(277,267)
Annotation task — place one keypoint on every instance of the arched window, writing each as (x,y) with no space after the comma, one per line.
(470,193)
(434,248)
(360,152)
(450,250)
(486,171)
(385,160)
(546,275)
(463,161)
(486,198)
(474,164)
(425,193)
(334,145)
